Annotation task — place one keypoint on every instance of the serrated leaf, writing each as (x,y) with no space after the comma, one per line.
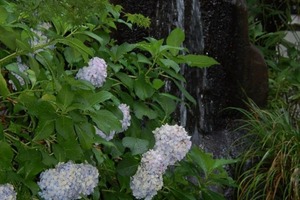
(125,79)
(78,45)
(202,159)
(201,61)
(143,89)
(85,135)
(157,84)
(166,103)
(65,96)
(136,145)
(141,110)
(175,38)
(6,155)
(44,129)
(72,55)
(170,63)
(127,166)
(65,127)
(106,121)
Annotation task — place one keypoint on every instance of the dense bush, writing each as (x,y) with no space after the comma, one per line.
(76,105)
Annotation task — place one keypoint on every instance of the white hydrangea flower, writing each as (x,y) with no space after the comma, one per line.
(39,38)
(173,141)
(22,68)
(95,72)
(126,116)
(145,184)
(125,123)
(68,181)
(7,192)
(154,162)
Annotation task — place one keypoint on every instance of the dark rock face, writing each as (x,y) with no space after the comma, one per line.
(217,28)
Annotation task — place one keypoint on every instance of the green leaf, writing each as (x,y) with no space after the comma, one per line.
(170,63)
(198,60)
(141,109)
(3,15)
(136,145)
(166,103)
(3,86)
(211,195)
(106,121)
(78,45)
(143,89)
(9,36)
(121,50)
(65,127)
(44,129)
(127,166)
(157,83)
(59,153)
(125,79)
(175,38)
(72,55)
(72,149)
(85,135)
(184,92)
(65,96)
(202,159)
(6,155)
(182,195)
(94,36)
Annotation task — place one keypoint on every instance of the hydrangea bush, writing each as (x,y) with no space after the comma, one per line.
(82,115)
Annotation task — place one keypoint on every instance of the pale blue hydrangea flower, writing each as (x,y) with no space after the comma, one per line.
(144,184)
(154,162)
(95,72)
(7,192)
(173,141)
(125,122)
(126,116)
(39,38)
(22,68)
(68,181)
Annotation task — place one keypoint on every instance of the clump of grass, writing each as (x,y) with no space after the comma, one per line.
(270,166)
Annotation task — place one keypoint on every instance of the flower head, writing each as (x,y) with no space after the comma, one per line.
(145,184)
(173,141)
(171,145)
(39,38)
(95,72)
(126,116)
(7,192)
(68,181)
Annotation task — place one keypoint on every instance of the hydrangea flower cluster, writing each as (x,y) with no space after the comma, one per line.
(22,68)
(68,181)
(39,38)
(7,192)
(172,143)
(125,122)
(95,72)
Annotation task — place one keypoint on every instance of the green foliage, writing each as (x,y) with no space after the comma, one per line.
(270,165)
(49,116)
